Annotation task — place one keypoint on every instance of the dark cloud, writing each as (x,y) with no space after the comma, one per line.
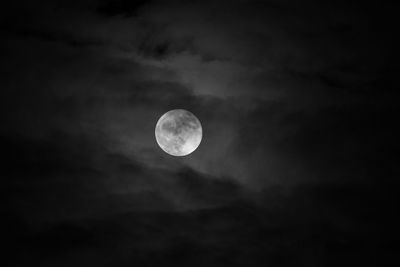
(121,7)
(297,103)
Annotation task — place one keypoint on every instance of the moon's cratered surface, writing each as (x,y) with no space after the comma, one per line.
(178,132)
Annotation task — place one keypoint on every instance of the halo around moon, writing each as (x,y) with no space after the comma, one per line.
(178,132)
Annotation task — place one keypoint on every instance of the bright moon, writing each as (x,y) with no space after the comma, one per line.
(178,132)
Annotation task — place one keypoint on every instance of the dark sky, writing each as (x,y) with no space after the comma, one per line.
(297,163)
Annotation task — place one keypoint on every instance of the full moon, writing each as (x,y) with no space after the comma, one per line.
(178,132)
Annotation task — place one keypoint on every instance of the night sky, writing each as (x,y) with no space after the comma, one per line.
(297,163)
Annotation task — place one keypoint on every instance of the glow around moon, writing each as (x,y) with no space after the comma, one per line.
(178,132)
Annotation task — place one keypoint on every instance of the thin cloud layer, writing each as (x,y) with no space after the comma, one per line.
(296,102)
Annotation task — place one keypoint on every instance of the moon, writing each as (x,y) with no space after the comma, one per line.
(178,132)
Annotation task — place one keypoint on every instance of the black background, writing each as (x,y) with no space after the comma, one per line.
(297,163)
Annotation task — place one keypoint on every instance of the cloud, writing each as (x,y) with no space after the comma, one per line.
(313,225)
(296,103)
